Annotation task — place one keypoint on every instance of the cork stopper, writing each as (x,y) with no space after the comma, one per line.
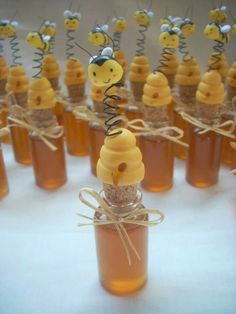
(18,84)
(120,162)
(44,118)
(3,75)
(120,195)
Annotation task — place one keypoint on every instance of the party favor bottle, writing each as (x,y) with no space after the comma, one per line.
(187,79)
(3,177)
(203,159)
(76,131)
(170,68)
(17,85)
(157,151)
(49,165)
(229,114)
(3,105)
(120,168)
(50,70)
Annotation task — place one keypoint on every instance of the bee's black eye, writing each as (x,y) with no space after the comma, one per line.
(94,73)
(111,70)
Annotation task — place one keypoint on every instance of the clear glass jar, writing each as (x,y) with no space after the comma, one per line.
(115,273)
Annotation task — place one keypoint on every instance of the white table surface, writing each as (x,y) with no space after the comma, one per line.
(48,265)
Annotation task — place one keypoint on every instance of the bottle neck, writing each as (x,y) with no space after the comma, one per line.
(156,117)
(208,114)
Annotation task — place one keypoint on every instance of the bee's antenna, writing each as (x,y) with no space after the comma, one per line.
(150,4)
(138,6)
(113,44)
(71,3)
(107,20)
(85,50)
(14,15)
(166,11)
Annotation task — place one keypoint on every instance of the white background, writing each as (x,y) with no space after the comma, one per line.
(48,265)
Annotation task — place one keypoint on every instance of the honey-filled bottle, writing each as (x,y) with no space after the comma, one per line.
(229,113)
(3,177)
(17,85)
(204,154)
(157,151)
(187,79)
(51,70)
(49,165)
(4,111)
(120,169)
(76,130)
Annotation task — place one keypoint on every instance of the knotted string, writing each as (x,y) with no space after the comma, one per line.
(217,128)
(118,219)
(84,113)
(146,129)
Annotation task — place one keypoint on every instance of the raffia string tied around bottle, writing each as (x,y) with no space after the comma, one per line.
(171,133)
(118,219)
(45,134)
(69,102)
(84,113)
(217,128)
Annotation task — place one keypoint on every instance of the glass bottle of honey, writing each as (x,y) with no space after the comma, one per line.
(187,79)
(17,85)
(3,177)
(76,130)
(3,103)
(157,151)
(204,154)
(120,169)
(50,70)
(49,165)
(229,113)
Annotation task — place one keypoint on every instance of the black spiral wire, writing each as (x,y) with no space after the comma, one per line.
(116,40)
(14,44)
(52,45)
(110,109)
(39,54)
(219,49)
(183,47)
(1,46)
(166,53)
(140,42)
(69,46)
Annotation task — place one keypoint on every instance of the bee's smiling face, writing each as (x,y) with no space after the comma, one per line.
(97,38)
(105,73)
(71,24)
(142,18)
(211,32)
(48,30)
(169,40)
(121,25)
(188,29)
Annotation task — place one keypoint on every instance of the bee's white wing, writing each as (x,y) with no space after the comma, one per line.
(67,14)
(105,28)
(165,27)
(46,38)
(225,28)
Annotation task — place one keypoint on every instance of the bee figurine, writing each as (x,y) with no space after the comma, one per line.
(71,20)
(143,17)
(120,24)
(215,31)
(169,37)
(48,29)
(104,70)
(8,28)
(98,36)
(187,27)
(38,41)
(170,20)
(218,14)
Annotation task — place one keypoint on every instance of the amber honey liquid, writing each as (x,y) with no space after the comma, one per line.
(76,133)
(116,275)
(179,150)
(96,140)
(227,150)
(49,166)
(6,139)
(158,160)
(3,177)
(21,145)
(59,108)
(170,110)
(203,159)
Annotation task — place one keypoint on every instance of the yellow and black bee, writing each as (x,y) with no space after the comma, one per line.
(98,36)
(48,28)
(38,41)
(71,20)
(217,32)
(8,28)
(169,37)
(218,14)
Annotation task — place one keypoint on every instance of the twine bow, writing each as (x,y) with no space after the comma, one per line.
(83,112)
(118,220)
(217,128)
(146,129)
(52,132)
